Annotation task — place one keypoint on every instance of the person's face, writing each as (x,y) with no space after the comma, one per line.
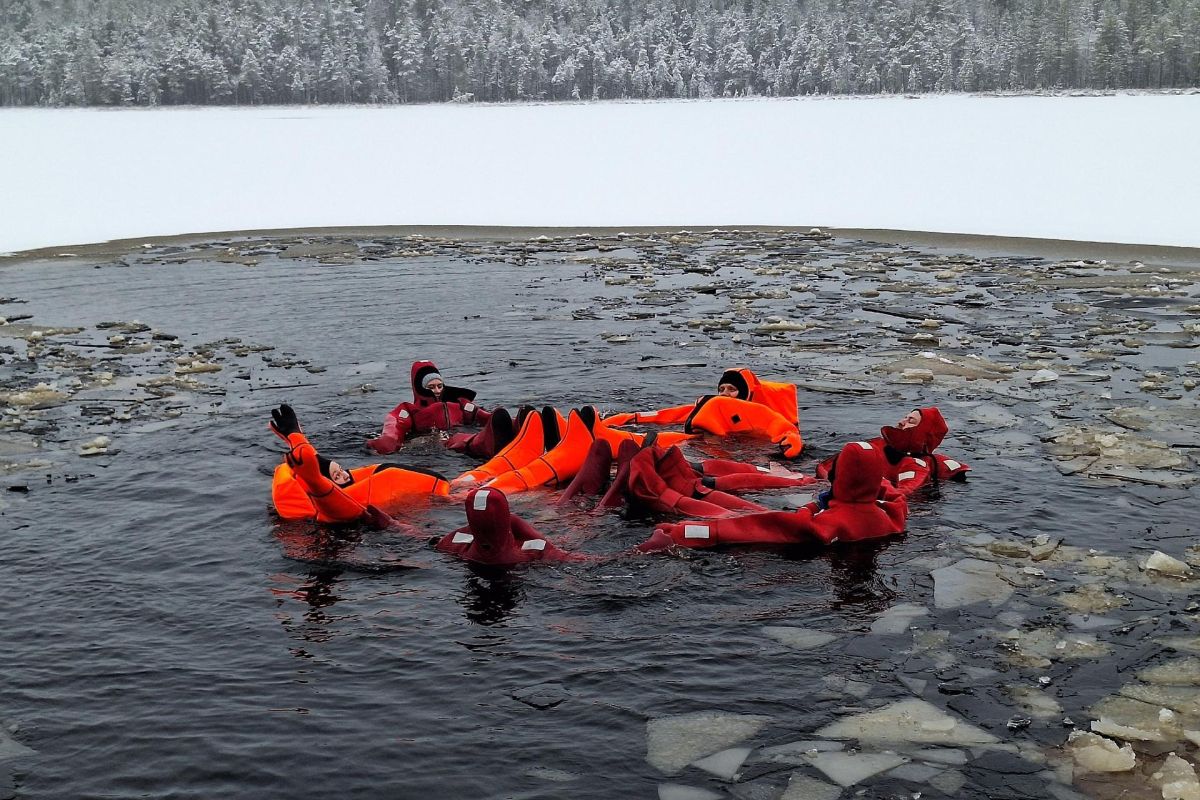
(727,390)
(436,387)
(911,420)
(338,474)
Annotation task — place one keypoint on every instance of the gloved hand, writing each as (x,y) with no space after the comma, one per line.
(823,499)
(284,422)
(384,445)
(376,519)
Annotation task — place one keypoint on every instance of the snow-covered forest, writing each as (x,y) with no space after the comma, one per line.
(162,52)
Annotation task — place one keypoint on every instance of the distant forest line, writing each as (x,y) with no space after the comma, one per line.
(227,52)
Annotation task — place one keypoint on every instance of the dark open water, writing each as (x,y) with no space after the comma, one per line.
(165,636)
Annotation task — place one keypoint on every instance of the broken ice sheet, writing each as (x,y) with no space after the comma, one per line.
(678,791)
(898,618)
(803,787)
(1094,753)
(969,581)
(796,752)
(1034,702)
(1176,779)
(907,721)
(674,742)
(848,769)
(1179,672)
(799,638)
(725,764)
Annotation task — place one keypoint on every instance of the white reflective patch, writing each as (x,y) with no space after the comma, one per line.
(763,469)
(469,407)
(904,476)
(921,461)
(865,445)
(480,501)
(951,464)
(462,537)
(534,544)
(404,414)
(695,531)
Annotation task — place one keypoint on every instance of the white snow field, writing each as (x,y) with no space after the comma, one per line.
(1120,168)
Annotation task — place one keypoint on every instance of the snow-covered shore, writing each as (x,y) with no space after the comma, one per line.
(1107,169)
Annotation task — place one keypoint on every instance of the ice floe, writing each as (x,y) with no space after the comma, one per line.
(674,742)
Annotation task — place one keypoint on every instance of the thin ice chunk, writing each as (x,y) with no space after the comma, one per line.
(942,755)
(725,764)
(907,721)
(1035,702)
(1180,672)
(802,787)
(1177,779)
(969,581)
(1184,699)
(796,753)
(799,638)
(11,748)
(674,742)
(1164,564)
(898,618)
(677,791)
(949,782)
(915,773)
(848,769)
(1094,753)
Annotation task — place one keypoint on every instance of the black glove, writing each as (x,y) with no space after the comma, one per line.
(823,499)
(283,421)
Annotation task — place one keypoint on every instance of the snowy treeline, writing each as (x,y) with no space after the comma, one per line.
(146,52)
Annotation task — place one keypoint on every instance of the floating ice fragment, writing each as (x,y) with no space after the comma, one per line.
(1180,672)
(1035,702)
(907,721)
(724,764)
(803,787)
(941,755)
(674,742)
(949,782)
(915,773)
(969,581)
(96,447)
(10,748)
(677,791)
(799,638)
(848,769)
(797,752)
(1043,376)
(1164,564)
(1093,753)
(898,618)
(1177,779)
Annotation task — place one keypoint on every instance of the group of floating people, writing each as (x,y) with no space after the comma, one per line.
(588,455)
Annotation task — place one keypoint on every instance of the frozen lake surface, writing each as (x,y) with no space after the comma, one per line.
(166,635)
(1105,169)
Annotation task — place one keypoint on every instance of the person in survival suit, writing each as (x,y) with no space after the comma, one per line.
(309,486)
(743,404)
(908,451)
(435,406)
(859,505)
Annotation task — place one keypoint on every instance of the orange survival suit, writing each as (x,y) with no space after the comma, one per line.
(762,408)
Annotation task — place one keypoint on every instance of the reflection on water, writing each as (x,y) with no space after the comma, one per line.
(490,593)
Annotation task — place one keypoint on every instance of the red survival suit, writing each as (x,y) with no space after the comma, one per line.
(909,460)
(862,506)
(493,535)
(426,412)
(762,408)
(299,490)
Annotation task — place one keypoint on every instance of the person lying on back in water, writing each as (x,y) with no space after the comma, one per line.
(743,404)
(309,486)
(435,406)
(908,451)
